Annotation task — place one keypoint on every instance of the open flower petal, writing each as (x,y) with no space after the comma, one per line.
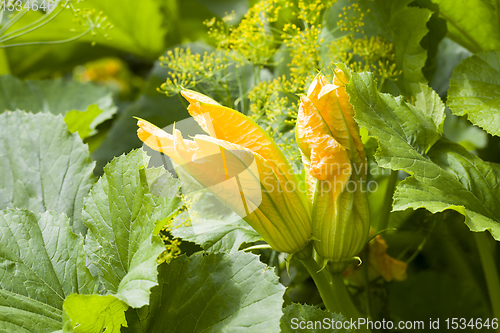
(229,125)
(244,181)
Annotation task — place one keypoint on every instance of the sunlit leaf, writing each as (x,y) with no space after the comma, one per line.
(473,24)
(443,174)
(121,213)
(94,313)
(43,166)
(212,293)
(43,262)
(475,90)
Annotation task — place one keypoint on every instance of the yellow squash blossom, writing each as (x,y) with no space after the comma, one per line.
(243,167)
(332,153)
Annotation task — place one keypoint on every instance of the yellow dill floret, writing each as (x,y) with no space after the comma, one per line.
(304,47)
(172,245)
(376,55)
(310,11)
(187,69)
(252,38)
(351,18)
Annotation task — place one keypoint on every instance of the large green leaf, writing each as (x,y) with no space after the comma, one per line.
(387,118)
(475,90)
(212,293)
(299,318)
(58,97)
(473,24)
(42,263)
(455,179)
(208,222)
(120,213)
(43,166)
(444,174)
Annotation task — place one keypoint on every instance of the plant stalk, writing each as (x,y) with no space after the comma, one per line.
(490,271)
(333,291)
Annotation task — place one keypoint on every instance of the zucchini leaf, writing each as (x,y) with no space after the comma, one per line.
(443,174)
(120,213)
(474,24)
(212,293)
(43,262)
(475,91)
(43,167)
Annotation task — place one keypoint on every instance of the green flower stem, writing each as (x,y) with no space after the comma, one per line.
(490,271)
(324,283)
(333,291)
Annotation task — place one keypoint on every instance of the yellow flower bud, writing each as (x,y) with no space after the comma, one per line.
(332,152)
